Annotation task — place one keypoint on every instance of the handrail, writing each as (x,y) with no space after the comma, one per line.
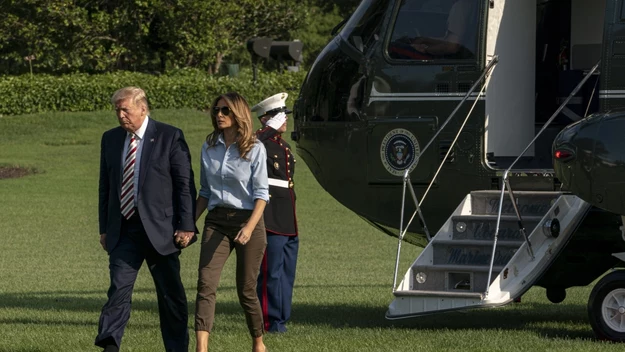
(594,89)
(487,69)
(406,176)
(453,143)
(506,181)
(566,101)
(427,190)
(402,232)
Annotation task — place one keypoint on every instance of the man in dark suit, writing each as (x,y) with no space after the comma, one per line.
(277,270)
(146,211)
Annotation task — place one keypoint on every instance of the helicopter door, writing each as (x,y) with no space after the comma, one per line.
(612,94)
(428,60)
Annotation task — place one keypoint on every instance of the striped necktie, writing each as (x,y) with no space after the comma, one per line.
(128,180)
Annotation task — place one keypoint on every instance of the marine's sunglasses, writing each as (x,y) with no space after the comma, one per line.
(224,110)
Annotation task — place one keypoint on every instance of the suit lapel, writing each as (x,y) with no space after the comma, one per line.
(118,144)
(149,138)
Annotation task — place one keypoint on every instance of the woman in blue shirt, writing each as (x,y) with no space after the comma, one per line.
(234,189)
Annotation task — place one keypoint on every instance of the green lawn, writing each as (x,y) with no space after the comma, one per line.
(53,272)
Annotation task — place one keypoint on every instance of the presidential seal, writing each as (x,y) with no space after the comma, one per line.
(399,151)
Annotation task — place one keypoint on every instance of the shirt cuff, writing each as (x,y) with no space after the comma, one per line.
(264,195)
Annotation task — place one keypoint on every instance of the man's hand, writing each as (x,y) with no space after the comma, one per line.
(103,240)
(182,238)
(277,121)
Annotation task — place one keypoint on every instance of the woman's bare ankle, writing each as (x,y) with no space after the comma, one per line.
(201,338)
(258,345)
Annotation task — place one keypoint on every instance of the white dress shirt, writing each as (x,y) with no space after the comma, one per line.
(139,133)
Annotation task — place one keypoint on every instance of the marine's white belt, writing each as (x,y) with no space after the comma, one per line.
(278,183)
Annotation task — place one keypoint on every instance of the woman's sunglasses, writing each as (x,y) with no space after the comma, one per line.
(224,110)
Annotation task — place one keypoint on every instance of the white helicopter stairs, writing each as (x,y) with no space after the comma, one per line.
(457,269)
(492,248)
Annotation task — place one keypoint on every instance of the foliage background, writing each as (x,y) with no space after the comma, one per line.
(190,88)
(96,36)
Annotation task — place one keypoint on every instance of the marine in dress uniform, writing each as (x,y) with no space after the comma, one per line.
(277,271)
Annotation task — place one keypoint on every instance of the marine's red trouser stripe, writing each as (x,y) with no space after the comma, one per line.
(264,302)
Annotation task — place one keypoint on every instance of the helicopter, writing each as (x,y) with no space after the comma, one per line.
(454,111)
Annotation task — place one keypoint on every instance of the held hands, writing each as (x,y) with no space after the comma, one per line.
(277,121)
(243,236)
(183,238)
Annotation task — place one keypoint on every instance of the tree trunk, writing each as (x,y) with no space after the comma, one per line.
(189,60)
(219,58)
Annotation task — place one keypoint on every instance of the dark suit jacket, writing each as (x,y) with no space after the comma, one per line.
(279,213)
(166,200)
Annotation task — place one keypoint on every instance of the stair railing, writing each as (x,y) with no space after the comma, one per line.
(506,182)
(406,177)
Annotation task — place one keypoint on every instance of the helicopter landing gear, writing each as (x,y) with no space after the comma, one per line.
(556,294)
(606,307)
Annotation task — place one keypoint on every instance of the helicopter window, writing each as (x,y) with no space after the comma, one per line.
(431,30)
(362,28)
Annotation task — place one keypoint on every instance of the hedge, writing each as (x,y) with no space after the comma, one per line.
(184,88)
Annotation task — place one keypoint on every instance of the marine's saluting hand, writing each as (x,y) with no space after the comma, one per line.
(277,121)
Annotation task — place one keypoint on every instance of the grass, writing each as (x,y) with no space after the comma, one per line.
(54,277)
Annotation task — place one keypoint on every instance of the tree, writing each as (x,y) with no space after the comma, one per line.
(316,31)
(345,7)
(203,34)
(70,36)
(138,35)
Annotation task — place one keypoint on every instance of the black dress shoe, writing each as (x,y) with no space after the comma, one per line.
(111,348)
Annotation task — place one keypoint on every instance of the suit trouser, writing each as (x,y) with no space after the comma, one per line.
(221,227)
(276,279)
(125,260)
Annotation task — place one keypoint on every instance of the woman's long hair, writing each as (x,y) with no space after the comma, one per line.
(240,111)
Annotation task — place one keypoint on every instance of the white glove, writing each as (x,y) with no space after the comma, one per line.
(277,121)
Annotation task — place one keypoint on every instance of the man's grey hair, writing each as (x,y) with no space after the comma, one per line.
(135,94)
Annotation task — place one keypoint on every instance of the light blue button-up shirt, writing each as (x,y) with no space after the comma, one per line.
(227,180)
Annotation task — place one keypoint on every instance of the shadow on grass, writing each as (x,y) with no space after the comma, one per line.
(77,301)
(52,322)
(548,320)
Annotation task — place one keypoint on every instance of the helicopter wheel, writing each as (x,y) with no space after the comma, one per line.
(556,294)
(606,307)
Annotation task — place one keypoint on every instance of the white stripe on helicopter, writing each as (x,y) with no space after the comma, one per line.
(423,97)
(604,94)
(612,94)
(431,96)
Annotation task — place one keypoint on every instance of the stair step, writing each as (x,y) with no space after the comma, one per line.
(476,243)
(482,227)
(472,252)
(458,268)
(407,293)
(529,203)
(452,278)
(496,193)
